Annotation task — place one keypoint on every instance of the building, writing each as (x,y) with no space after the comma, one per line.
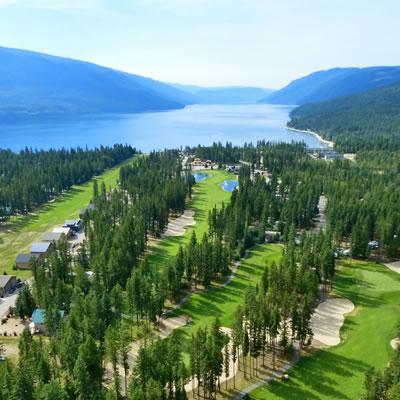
(23,261)
(42,249)
(66,231)
(90,207)
(198,163)
(52,237)
(37,325)
(7,283)
(74,224)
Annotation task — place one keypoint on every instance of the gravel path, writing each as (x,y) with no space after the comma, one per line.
(275,375)
(227,282)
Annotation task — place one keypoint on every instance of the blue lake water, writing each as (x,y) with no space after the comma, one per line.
(229,185)
(199,124)
(198,176)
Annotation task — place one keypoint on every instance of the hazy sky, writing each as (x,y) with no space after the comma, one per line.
(209,42)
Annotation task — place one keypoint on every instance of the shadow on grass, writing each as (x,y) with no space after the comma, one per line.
(319,375)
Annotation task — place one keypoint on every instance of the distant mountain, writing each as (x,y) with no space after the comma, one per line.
(333,83)
(39,84)
(369,120)
(224,95)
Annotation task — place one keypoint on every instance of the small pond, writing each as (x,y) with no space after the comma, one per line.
(198,176)
(229,185)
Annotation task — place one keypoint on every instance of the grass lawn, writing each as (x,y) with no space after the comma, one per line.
(207,194)
(202,308)
(17,235)
(338,372)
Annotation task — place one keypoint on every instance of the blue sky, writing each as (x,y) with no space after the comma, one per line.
(209,42)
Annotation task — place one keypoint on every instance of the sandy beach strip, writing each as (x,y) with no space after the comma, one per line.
(329,143)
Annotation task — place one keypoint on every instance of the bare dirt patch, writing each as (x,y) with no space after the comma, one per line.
(178,225)
(328,318)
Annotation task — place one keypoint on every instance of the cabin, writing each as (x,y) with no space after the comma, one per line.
(74,224)
(23,261)
(42,249)
(52,237)
(7,284)
(89,208)
(66,231)
(37,325)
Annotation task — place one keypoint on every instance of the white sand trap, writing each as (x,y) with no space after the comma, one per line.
(177,226)
(394,266)
(395,343)
(193,385)
(328,318)
(169,324)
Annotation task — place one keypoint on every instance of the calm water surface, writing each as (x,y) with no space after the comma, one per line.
(199,124)
(198,176)
(229,185)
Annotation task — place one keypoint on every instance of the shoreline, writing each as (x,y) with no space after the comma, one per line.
(329,143)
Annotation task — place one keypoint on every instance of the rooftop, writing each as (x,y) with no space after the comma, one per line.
(62,230)
(4,279)
(38,315)
(40,247)
(50,236)
(25,258)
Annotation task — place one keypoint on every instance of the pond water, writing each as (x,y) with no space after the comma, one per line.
(229,185)
(198,176)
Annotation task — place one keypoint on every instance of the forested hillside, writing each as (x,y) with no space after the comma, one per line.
(365,121)
(333,83)
(34,84)
(31,178)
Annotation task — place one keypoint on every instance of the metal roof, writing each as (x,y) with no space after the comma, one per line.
(4,279)
(40,247)
(25,258)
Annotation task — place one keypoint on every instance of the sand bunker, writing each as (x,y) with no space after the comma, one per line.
(395,343)
(193,385)
(394,266)
(177,226)
(328,318)
(169,324)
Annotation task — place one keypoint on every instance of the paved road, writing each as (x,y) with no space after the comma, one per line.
(270,378)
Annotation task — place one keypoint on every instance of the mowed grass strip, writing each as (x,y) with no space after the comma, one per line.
(339,372)
(207,194)
(202,308)
(18,235)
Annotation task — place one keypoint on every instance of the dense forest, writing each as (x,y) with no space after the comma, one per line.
(126,296)
(368,121)
(31,178)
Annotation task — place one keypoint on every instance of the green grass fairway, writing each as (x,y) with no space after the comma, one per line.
(207,194)
(202,308)
(338,372)
(17,235)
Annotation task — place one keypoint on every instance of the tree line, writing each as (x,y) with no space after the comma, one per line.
(33,177)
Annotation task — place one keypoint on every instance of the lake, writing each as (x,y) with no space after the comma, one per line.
(198,124)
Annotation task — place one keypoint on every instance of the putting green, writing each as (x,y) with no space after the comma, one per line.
(339,372)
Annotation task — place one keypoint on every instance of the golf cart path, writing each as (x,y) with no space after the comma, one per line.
(394,266)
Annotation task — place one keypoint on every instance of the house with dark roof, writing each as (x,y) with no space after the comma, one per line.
(7,283)
(23,261)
